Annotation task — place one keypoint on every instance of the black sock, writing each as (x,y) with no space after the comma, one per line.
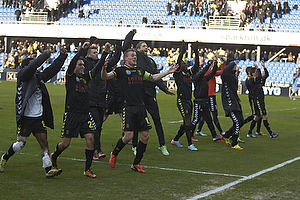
(179,133)
(48,169)
(89,158)
(266,123)
(189,132)
(56,153)
(135,139)
(248,119)
(258,125)
(10,152)
(141,148)
(252,125)
(120,145)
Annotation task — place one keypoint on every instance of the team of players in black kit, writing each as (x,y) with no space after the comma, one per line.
(131,94)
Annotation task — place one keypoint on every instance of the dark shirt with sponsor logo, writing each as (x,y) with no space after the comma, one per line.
(131,84)
(77,97)
(184,84)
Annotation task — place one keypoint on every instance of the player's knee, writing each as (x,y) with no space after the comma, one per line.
(63,146)
(17,146)
(128,136)
(145,138)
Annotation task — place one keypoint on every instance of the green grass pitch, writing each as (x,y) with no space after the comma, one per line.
(181,175)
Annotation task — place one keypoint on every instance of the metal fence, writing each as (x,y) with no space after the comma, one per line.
(34,18)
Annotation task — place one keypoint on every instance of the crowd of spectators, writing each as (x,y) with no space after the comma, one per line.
(197,8)
(19,50)
(265,11)
(54,13)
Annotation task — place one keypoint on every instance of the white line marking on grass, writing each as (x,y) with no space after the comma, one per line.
(175,122)
(219,189)
(192,171)
(153,167)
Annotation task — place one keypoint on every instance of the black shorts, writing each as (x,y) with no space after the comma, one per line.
(28,125)
(185,107)
(135,119)
(77,123)
(212,103)
(259,108)
(114,104)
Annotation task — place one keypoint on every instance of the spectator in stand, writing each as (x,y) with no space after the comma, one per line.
(182,7)
(176,9)
(203,24)
(72,47)
(120,22)
(18,14)
(205,9)
(173,23)
(264,56)
(243,18)
(268,15)
(81,14)
(270,54)
(58,46)
(86,10)
(255,9)
(159,67)
(286,7)
(277,9)
(261,15)
(163,51)
(247,54)
(169,7)
(199,7)
(237,54)
(78,3)
(290,57)
(249,11)
(190,8)
(270,4)
(144,20)
(262,27)
(4,3)
(158,24)
(155,52)
(270,28)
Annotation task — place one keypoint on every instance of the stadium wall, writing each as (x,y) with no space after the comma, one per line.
(153,34)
